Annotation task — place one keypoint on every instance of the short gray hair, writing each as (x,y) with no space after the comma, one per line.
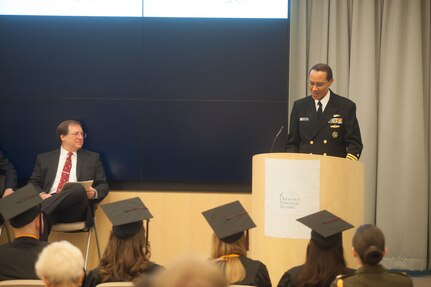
(60,262)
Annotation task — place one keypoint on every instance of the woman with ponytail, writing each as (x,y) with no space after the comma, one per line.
(230,223)
(369,248)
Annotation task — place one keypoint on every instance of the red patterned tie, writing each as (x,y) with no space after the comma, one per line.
(66,171)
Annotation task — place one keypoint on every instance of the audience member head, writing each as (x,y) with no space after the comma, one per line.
(230,223)
(60,264)
(324,256)
(21,208)
(369,244)
(186,272)
(128,251)
(71,135)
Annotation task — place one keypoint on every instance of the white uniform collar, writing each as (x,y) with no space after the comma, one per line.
(324,101)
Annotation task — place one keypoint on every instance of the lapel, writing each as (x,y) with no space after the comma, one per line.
(330,109)
(55,158)
(79,163)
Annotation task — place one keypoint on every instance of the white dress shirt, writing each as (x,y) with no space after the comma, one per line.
(61,162)
(324,101)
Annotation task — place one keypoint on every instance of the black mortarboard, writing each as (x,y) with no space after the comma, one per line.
(127,216)
(325,227)
(20,207)
(229,221)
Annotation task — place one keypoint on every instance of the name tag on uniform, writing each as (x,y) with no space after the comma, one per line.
(305,119)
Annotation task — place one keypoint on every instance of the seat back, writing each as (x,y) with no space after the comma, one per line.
(22,283)
(78,226)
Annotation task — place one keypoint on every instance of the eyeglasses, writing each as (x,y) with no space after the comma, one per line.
(77,134)
(317,84)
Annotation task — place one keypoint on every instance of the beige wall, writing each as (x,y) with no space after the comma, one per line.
(178,227)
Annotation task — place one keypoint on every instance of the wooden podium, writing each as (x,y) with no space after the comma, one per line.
(341,192)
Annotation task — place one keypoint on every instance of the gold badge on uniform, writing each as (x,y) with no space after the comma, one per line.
(334,135)
(335,126)
(336,116)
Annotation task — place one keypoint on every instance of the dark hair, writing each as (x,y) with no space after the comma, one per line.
(369,244)
(63,127)
(323,68)
(322,265)
(125,259)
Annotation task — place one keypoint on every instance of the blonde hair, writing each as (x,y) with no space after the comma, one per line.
(188,272)
(60,263)
(231,266)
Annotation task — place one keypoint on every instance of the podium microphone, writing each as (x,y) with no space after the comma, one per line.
(276,136)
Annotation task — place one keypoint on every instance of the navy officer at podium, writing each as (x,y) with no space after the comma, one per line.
(324,122)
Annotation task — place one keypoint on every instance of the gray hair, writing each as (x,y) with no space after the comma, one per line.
(60,262)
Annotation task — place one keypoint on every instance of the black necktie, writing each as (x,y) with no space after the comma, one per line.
(319,110)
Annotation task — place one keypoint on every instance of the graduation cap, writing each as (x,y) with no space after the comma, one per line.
(229,221)
(325,227)
(127,216)
(21,207)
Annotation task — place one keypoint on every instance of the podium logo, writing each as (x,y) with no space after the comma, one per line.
(290,200)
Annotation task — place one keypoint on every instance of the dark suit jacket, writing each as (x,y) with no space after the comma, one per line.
(18,258)
(256,273)
(336,133)
(370,276)
(8,170)
(89,167)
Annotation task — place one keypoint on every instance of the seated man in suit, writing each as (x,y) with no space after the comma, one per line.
(18,257)
(10,181)
(8,170)
(72,201)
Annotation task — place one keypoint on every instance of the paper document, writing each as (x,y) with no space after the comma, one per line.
(86,183)
(292,190)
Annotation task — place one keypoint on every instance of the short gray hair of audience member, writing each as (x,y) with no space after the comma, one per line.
(60,263)
(186,272)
